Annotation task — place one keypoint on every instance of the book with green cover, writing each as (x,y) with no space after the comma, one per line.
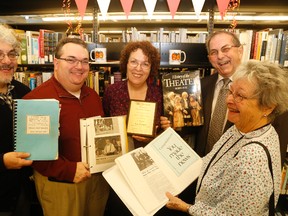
(36,128)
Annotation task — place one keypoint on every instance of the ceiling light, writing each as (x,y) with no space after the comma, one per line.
(165,16)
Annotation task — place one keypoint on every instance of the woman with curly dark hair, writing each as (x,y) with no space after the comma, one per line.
(139,62)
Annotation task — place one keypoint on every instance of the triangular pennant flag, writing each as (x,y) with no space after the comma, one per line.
(173,6)
(104,5)
(222,6)
(150,6)
(198,5)
(127,5)
(81,5)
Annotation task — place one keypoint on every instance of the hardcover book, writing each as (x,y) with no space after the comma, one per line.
(103,139)
(36,128)
(142,176)
(182,99)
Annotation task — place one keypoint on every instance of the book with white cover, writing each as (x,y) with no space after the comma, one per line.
(143,176)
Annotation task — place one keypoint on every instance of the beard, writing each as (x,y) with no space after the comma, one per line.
(6,77)
(6,80)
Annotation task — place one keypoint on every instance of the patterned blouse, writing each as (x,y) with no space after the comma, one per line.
(241,184)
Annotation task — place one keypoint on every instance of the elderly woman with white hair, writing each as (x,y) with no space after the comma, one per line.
(241,175)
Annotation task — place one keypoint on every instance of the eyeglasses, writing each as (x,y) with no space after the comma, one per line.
(143,65)
(237,96)
(225,49)
(12,55)
(74,61)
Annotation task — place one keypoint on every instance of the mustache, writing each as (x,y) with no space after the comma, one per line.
(6,67)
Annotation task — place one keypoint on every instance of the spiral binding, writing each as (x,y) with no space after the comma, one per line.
(14,105)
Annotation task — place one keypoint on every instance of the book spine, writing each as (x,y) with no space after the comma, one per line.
(29,49)
(255,45)
(41,43)
(278,49)
(252,45)
(283,60)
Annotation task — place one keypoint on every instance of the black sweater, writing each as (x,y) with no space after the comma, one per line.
(11,181)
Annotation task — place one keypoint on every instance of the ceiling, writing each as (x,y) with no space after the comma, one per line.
(35,8)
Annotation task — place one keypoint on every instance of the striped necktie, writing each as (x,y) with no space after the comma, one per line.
(218,117)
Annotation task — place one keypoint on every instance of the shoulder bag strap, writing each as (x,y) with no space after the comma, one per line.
(272,199)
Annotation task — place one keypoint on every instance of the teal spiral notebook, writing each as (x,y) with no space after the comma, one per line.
(36,128)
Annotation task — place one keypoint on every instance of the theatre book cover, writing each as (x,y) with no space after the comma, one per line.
(182,99)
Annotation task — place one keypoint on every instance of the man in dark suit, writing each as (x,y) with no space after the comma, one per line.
(224,53)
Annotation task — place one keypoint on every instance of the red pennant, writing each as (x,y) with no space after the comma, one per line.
(173,6)
(222,6)
(127,5)
(81,5)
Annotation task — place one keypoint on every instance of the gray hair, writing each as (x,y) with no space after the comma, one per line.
(8,36)
(270,81)
(235,39)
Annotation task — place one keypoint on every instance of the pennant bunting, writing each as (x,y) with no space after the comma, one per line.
(127,5)
(173,6)
(104,5)
(222,6)
(81,5)
(198,5)
(150,7)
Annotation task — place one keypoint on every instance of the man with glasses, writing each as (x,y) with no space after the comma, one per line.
(14,179)
(65,186)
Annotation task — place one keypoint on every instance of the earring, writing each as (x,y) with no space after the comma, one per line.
(265,115)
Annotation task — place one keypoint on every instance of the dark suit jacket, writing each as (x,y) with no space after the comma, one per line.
(207,89)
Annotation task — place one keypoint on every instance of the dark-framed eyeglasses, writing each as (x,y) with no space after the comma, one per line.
(74,61)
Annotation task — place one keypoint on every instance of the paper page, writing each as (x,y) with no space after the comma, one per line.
(176,158)
(145,178)
(116,180)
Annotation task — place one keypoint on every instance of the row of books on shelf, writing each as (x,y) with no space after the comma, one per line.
(40,77)
(161,36)
(37,47)
(284,180)
(97,80)
(265,45)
